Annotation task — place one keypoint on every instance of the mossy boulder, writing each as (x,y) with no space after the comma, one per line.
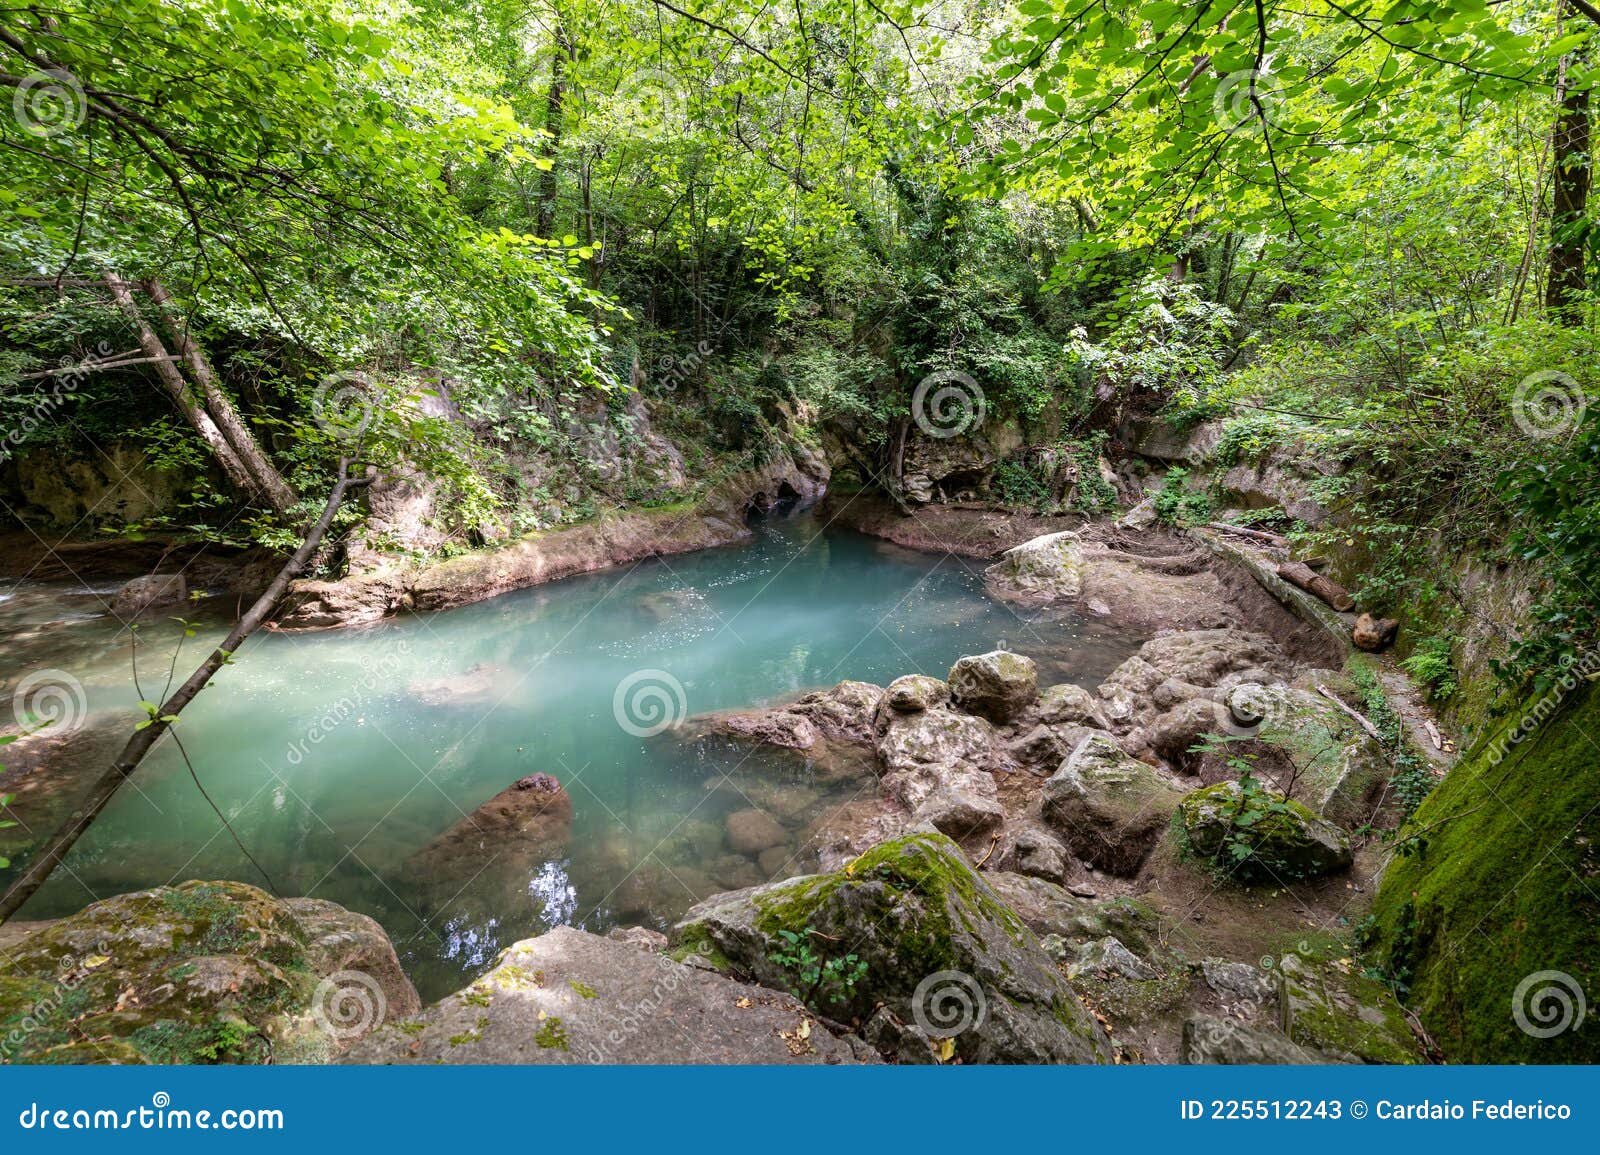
(931,942)
(1110,808)
(998,685)
(1490,917)
(203,972)
(1257,835)
(1333,1008)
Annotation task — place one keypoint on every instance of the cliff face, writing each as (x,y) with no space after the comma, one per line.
(1490,912)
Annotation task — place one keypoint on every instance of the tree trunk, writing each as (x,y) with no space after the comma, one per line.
(1568,233)
(269,483)
(143,741)
(178,389)
(553,111)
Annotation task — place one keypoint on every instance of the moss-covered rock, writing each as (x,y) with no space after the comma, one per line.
(203,972)
(1257,835)
(931,942)
(1333,1008)
(1490,917)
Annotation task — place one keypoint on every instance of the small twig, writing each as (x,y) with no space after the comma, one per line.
(993,842)
(1361,719)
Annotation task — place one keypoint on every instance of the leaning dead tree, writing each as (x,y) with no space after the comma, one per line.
(145,739)
(207,409)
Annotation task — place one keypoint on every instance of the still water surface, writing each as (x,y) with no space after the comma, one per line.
(339,755)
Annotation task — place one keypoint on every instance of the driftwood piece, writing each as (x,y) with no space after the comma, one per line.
(1260,535)
(1308,579)
(1433,734)
(1359,718)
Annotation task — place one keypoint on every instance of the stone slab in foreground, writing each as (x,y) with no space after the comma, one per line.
(573,997)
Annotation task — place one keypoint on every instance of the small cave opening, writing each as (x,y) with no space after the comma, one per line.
(780,503)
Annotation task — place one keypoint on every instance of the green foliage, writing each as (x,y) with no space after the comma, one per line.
(1176,505)
(1432,665)
(814,979)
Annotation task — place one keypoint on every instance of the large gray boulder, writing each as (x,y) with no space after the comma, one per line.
(572,997)
(1260,836)
(934,762)
(1045,569)
(153,592)
(998,685)
(924,936)
(1110,809)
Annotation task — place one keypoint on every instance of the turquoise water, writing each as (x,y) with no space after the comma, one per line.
(339,755)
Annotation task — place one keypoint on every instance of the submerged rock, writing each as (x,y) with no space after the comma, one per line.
(1279,839)
(932,943)
(1110,808)
(998,685)
(752,831)
(573,997)
(530,819)
(149,593)
(203,972)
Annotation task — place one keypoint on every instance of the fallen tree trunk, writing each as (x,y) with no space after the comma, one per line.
(1260,535)
(144,740)
(1308,579)
(178,389)
(269,483)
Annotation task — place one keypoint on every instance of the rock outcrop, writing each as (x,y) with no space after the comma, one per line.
(203,972)
(934,954)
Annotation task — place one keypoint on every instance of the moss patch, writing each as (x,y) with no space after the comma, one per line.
(1499,884)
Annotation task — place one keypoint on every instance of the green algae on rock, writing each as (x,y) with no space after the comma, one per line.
(934,938)
(203,972)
